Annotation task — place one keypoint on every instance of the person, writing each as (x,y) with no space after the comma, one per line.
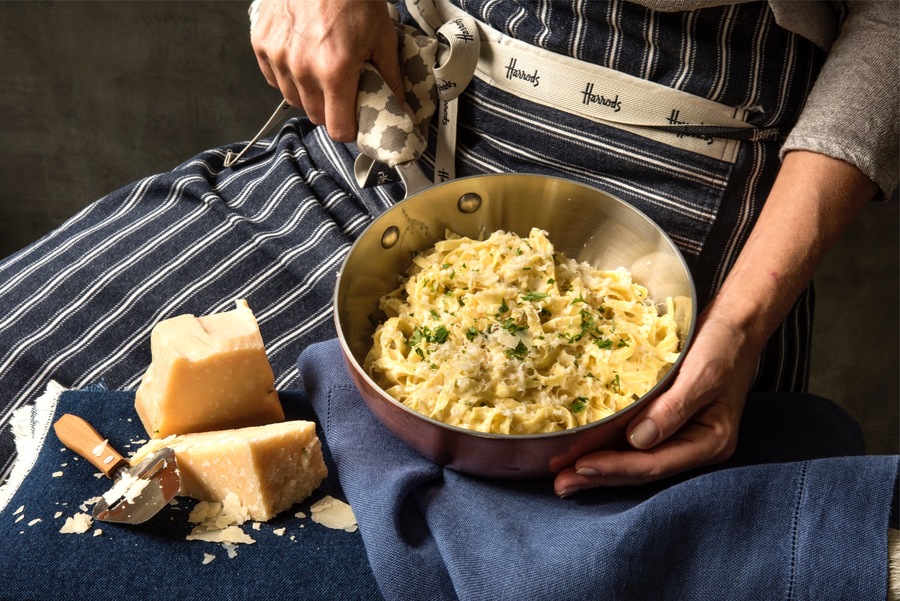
(835,160)
(79,304)
(752,217)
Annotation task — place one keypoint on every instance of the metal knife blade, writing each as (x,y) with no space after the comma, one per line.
(140,491)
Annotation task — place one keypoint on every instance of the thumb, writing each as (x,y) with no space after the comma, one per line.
(664,416)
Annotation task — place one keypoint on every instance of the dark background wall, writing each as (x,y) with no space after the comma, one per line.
(94,95)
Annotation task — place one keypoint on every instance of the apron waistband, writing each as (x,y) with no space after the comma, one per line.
(587,90)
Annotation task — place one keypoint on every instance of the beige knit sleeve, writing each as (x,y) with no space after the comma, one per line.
(852,112)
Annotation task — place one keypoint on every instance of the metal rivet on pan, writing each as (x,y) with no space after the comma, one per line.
(390,236)
(469,203)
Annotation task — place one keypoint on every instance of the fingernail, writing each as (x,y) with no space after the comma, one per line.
(587,471)
(644,434)
(566,492)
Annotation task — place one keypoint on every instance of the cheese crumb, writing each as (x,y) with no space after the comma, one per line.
(229,534)
(34,521)
(57,514)
(19,510)
(333,513)
(208,557)
(278,532)
(56,474)
(98,450)
(98,532)
(77,524)
(300,514)
(220,522)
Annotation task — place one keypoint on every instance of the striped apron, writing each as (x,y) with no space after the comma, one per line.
(79,304)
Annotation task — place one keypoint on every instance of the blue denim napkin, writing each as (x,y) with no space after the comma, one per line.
(797,514)
(153,560)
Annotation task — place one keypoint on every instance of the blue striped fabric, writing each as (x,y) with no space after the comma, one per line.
(78,305)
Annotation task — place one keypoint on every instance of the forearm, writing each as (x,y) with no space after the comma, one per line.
(813,201)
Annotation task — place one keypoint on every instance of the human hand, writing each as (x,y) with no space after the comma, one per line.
(314,50)
(693,423)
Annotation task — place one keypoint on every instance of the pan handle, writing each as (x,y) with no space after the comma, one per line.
(412,177)
(81,437)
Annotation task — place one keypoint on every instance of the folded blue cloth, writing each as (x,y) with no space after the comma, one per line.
(153,560)
(797,514)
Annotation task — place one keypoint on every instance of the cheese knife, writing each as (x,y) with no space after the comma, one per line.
(139,491)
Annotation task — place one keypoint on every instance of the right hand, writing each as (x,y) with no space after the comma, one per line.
(314,50)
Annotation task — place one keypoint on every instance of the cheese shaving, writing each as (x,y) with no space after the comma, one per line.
(334,513)
(220,522)
(77,524)
(128,487)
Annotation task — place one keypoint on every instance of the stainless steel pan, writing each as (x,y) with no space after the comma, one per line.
(583,222)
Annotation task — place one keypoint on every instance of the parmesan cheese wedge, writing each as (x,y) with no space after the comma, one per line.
(269,467)
(207,373)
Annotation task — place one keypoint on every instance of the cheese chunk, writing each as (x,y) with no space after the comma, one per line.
(207,373)
(268,467)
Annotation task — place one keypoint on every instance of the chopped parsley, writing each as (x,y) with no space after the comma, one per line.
(439,335)
(520,352)
(510,325)
(535,296)
(604,343)
(579,404)
(616,385)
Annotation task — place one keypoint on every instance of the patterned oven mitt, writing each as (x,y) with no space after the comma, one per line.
(389,135)
(437,66)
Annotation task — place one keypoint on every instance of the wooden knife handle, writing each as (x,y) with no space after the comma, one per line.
(81,437)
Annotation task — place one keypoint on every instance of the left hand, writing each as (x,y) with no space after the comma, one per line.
(693,423)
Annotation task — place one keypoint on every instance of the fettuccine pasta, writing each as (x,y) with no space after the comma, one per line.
(507,336)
